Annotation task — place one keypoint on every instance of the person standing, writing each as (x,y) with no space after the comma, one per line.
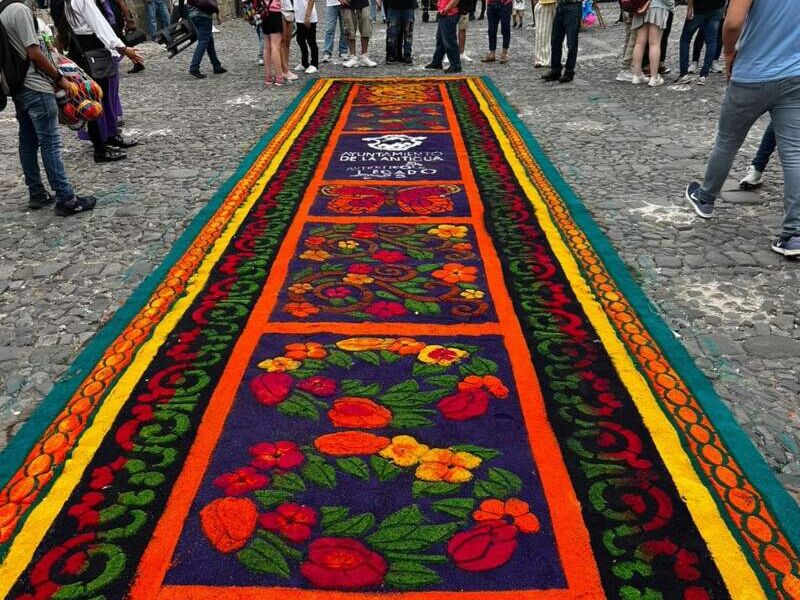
(498,12)
(543,14)
(356,20)
(705,15)
(566,24)
(288,16)
(649,29)
(37,115)
(760,38)
(446,37)
(333,15)
(156,11)
(203,23)
(400,32)
(272,27)
(307,34)
(519,13)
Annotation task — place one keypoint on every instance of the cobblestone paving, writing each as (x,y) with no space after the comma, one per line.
(626,151)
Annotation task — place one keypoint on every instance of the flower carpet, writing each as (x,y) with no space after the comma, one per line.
(393,358)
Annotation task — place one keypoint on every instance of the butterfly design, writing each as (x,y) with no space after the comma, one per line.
(365,200)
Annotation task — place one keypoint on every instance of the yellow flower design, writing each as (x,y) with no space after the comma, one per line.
(441,464)
(280,364)
(447,232)
(439,355)
(348,244)
(472,294)
(404,451)
(301,288)
(357,279)
(364,343)
(317,255)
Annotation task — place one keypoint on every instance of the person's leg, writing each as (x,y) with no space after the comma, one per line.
(710,29)
(365,29)
(450,40)
(29,151)
(462,35)
(697,47)
(572,26)
(638,50)
(718,51)
(203,27)
(407,28)
(268,73)
(276,43)
(438,53)
(349,16)
(150,14)
(483,9)
(260,35)
(331,16)
(311,40)
(786,120)
(373,11)
(689,29)
(343,44)
(393,35)
(286,42)
(545,21)
(212,53)
(765,149)
(665,37)
(654,34)
(557,40)
(493,20)
(163,13)
(300,36)
(505,26)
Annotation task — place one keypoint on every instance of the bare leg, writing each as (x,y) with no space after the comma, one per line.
(364,44)
(638,50)
(285,41)
(275,41)
(462,40)
(268,59)
(654,40)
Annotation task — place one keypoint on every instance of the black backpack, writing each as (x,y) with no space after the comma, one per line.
(13,68)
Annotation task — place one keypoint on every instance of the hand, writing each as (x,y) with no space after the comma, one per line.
(307,22)
(689,13)
(729,58)
(133,55)
(70,88)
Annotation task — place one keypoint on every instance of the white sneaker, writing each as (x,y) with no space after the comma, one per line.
(350,62)
(693,67)
(326,58)
(656,81)
(626,76)
(716,67)
(365,61)
(465,58)
(261,61)
(639,79)
(752,180)
(299,68)
(290,76)
(311,70)
(701,80)
(684,79)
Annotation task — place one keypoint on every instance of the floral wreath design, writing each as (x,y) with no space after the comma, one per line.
(364,200)
(472,524)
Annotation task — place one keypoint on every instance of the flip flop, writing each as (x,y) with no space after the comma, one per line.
(503,60)
(486,59)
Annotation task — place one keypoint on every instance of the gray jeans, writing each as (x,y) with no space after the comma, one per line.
(744,103)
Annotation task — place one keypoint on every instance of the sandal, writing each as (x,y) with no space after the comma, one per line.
(503,59)
(488,58)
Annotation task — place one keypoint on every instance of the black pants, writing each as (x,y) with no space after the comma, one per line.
(700,40)
(499,14)
(566,24)
(307,39)
(483,9)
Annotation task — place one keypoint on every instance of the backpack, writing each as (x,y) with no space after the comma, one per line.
(13,69)
(254,11)
(634,7)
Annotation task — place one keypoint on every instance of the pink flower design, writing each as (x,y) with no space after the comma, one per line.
(386,310)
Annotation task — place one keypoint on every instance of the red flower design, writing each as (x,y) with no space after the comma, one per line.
(343,564)
(389,256)
(360,268)
(319,386)
(271,388)
(464,405)
(292,521)
(241,481)
(364,232)
(338,292)
(484,547)
(229,523)
(282,455)
(386,310)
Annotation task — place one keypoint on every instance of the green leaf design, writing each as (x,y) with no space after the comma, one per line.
(352,527)
(262,557)
(501,484)
(314,364)
(408,515)
(272,498)
(433,488)
(404,387)
(333,514)
(410,538)
(282,546)
(354,466)
(355,387)
(408,575)
(320,473)
(298,406)
(368,356)
(461,508)
(431,558)
(428,267)
(411,419)
(419,254)
(288,481)
(488,489)
(389,357)
(424,370)
(386,295)
(479,451)
(412,399)
(479,366)
(443,381)
(384,469)
(302,273)
(422,308)
(339,358)
(465,347)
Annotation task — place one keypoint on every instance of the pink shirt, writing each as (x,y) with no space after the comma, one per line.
(441,4)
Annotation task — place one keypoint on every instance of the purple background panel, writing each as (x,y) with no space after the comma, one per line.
(417,157)
(535,564)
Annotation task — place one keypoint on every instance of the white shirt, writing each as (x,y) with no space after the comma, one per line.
(300,11)
(85,18)
(332,3)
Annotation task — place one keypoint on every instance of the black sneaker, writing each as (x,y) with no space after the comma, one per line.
(701,207)
(78,204)
(40,202)
(197,75)
(453,70)
(120,142)
(551,76)
(433,67)
(220,70)
(788,246)
(109,155)
(566,78)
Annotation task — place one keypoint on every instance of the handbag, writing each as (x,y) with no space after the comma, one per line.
(133,37)
(634,7)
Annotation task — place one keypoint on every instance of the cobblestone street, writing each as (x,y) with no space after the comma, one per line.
(627,151)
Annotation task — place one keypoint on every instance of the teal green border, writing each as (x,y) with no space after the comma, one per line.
(782,505)
(14,454)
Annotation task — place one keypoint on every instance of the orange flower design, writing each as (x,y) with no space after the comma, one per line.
(350,443)
(462,246)
(490,383)
(364,343)
(315,240)
(301,309)
(441,464)
(456,273)
(518,510)
(316,255)
(361,413)
(228,523)
(406,346)
(302,351)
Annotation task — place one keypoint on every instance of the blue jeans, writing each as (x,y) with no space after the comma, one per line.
(566,24)
(400,34)
(744,103)
(447,41)
(205,41)
(498,13)
(765,148)
(260,34)
(37,114)
(157,8)
(333,15)
(708,24)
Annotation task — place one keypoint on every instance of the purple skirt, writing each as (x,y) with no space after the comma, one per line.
(112,110)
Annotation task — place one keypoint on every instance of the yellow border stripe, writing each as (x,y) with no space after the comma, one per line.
(41,518)
(726,552)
